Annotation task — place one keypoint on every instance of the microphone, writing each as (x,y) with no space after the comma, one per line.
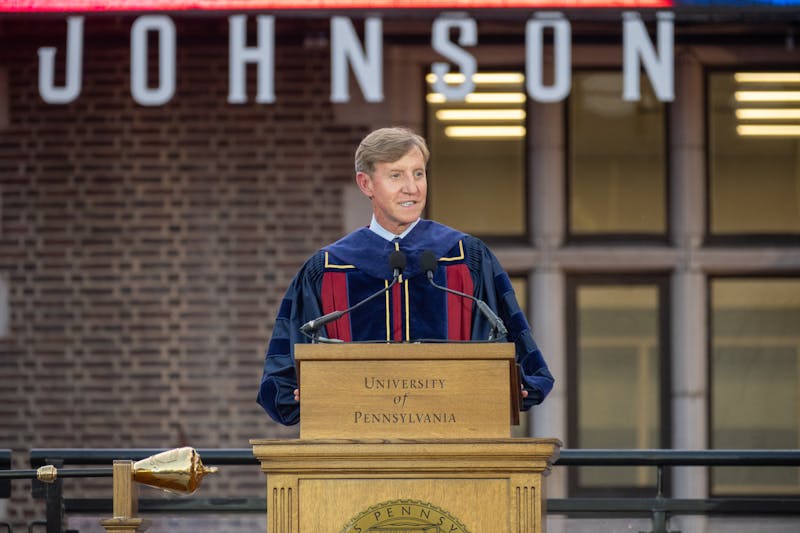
(428,263)
(397,260)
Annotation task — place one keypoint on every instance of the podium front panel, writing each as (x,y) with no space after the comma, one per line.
(405,485)
(436,398)
(449,505)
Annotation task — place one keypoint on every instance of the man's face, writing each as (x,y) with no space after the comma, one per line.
(398,190)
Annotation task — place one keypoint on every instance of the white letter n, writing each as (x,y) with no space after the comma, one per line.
(636,45)
(346,49)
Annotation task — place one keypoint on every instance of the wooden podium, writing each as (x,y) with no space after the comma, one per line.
(400,438)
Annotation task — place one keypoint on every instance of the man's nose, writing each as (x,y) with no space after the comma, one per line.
(410,185)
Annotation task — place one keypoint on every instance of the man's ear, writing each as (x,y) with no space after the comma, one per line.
(364,182)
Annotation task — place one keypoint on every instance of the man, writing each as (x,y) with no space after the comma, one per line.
(390,170)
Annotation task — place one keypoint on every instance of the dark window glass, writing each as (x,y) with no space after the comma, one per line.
(753,153)
(477,169)
(755,379)
(617,162)
(618,352)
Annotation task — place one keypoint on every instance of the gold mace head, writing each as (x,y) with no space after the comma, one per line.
(47,473)
(179,470)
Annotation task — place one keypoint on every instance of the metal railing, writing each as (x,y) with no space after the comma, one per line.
(658,508)
(5,484)
(5,464)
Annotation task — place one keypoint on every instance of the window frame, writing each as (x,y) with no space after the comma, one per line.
(526,236)
(662,282)
(732,239)
(765,275)
(634,238)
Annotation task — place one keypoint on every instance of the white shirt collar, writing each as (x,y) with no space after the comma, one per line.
(385,233)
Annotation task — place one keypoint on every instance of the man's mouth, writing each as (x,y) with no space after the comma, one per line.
(407,204)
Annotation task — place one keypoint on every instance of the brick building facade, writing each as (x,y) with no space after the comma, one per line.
(145,250)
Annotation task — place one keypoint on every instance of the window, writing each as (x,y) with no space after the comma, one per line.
(477,168)
(617,162)
(619,374)
(755,379)
(754,154)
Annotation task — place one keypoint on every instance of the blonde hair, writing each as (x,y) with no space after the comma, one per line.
(387,145)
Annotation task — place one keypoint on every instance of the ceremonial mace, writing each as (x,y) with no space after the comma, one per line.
(179,470)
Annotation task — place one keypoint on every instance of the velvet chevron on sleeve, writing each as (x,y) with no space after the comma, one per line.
(493,286)
(300,304)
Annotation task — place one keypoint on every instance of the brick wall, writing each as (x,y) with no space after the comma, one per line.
(145,250)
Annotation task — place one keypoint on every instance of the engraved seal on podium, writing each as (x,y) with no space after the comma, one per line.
(404,516)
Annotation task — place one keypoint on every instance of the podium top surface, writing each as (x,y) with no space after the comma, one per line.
(418,450)
(407,351)
(378,442)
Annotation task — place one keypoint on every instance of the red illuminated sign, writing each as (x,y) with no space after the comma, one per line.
(27,6)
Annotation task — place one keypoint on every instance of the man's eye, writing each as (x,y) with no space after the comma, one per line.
(394,176)
(419,174)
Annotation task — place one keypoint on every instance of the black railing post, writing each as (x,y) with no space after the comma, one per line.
(659,512)
(53,495)
(659,515)
(5,464)
(5,484)
(55,506)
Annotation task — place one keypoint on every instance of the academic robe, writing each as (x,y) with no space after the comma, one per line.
(347,271)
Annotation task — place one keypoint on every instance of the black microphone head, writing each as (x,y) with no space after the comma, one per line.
(428,261)
(397,260)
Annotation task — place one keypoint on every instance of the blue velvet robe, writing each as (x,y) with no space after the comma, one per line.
(357,265)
